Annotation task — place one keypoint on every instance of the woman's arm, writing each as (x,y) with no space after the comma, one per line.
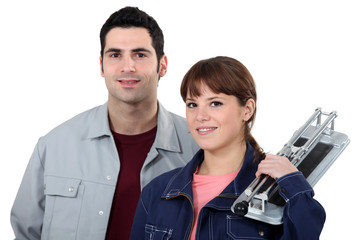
(138,227)
(303,217)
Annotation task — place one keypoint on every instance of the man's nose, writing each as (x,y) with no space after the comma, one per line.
(128,64)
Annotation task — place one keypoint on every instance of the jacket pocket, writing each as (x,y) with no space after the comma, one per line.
(242,228)
(156,233)
(63,198)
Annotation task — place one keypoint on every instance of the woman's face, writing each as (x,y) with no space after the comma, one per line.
(216,121)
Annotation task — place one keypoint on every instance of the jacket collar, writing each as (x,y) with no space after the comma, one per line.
(180,183)
(166,136)
(99,122)
(245,176)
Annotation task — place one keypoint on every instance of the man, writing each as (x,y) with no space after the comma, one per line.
(84,177)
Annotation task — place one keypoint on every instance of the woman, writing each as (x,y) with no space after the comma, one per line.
(194,202)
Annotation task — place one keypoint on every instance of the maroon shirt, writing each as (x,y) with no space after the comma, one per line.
(132,150)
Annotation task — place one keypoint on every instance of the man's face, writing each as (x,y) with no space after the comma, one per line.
(129,66)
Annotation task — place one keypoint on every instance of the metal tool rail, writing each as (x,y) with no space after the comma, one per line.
(294,154)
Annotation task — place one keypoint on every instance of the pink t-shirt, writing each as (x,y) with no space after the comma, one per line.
(205,188)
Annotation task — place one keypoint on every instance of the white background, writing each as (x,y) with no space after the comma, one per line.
(302,55)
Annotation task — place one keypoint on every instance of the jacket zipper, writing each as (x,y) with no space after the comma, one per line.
(193,211)
(192,207)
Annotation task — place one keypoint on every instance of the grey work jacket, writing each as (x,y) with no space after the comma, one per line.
(69,183)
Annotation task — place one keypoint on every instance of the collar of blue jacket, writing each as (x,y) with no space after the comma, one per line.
(180,182)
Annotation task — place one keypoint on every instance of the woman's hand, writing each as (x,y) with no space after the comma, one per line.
(275,166)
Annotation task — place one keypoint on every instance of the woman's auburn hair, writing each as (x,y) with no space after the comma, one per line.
(228,76)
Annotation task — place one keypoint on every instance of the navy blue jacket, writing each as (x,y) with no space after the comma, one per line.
(165,208)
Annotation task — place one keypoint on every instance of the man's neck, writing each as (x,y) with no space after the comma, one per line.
(132,119)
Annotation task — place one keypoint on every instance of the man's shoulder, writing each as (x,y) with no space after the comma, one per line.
(79,122)
(178,120)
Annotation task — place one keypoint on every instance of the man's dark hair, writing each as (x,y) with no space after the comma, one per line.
(133,17)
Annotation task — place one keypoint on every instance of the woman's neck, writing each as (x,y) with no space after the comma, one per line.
(223,162)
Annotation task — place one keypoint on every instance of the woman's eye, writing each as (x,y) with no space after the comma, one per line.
(216,104)
(191,105)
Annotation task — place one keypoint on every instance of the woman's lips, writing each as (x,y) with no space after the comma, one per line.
(205,130)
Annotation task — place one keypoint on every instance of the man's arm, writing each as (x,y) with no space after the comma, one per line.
(28,210)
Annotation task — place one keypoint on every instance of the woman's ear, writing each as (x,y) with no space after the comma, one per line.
(249,109)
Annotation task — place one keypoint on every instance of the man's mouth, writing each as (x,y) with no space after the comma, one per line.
(128,83)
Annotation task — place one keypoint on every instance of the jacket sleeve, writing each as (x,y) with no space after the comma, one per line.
(28,209)
(140,219)
(303,217)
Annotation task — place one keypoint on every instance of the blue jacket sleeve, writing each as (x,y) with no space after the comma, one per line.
(138,227)
(303,217)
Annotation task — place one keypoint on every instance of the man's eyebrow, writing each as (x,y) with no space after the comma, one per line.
(116,50)
(141,50)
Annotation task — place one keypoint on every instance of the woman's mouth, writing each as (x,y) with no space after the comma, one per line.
(205,130)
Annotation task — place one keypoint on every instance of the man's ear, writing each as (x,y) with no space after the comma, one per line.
(101,67)
(163,66)
(249,109)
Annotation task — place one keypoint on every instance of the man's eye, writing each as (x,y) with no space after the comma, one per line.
(216,104)
(140,55)
(115,55)
(191,105)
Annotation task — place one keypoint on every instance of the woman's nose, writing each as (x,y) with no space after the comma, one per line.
(202,115)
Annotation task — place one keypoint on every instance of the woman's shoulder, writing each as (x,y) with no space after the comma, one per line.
(159,183)
(173,181)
